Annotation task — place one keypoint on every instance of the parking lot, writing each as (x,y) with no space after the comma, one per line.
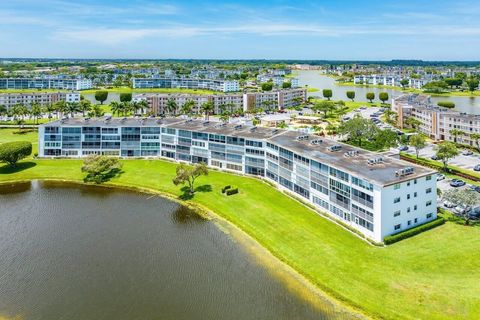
(462,161)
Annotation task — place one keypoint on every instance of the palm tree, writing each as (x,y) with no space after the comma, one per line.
(143,105)
(19,111)
(187,107)
(389,116)
(36,111)
(116,107)
(85,106)
(49,109)
(72,108)
(207,107)
(225,117)
(331,129)
(455,133)
(3,110)
(60,107)
(127,108)
(413,123)
(476,138)
(171,107)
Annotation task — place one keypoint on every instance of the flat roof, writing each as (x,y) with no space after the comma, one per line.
(382,173)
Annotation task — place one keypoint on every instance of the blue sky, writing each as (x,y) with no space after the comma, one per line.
(337,30)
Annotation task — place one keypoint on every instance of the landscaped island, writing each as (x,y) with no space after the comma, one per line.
(432,275)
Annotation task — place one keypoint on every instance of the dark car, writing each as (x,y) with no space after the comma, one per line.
(434,157)
(457,183)
(403,148)
(477,167)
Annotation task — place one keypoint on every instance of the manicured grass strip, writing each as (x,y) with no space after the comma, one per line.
(433,275)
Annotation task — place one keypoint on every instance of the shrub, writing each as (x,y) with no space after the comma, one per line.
(446,104)
(12,152)
(414,231)
(226,188)
(100,168)
(231,191)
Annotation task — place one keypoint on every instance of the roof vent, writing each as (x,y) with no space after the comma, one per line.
(316,141)
(238,127)
(275,131)
(123,120)
(159,121)
(351,153)
(375,161)
(404,172)
(205,123)
(253,129)
(335,147)
(301,138)
(86,119)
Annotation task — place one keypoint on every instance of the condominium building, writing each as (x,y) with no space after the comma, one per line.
(277,80)
(186,83)
(389,80)
(42,98)
(374,195)
(45,83)
(278,99)
(436,122)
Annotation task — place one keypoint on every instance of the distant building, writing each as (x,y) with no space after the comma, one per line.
(42,98)
(45,83)
(186,83)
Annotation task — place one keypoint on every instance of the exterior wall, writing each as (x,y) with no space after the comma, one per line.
(41,83)
(42,98)
(354,201)
(184,83)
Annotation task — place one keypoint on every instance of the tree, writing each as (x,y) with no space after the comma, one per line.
(100,168)
(370,96)
(331,129)
(207,107)
(116,107)
(390,116)
(171,106)
(472,84)
(413,123)
(445,151)
(101,96)
(446,104)
(267,86)
(36,111)
(351,95)
(187,107)
(465,197)
(453,82)
(404,83)
(383,96)
(3,110)
(286,85)
(323,106)
(125,97)
(357,129)
(96,111)
(418,142)
(49,109)
(72,108)
(385,139)
(327,93)
(476,138)
(455,133)
(187,174)
(12,152)
(85,106)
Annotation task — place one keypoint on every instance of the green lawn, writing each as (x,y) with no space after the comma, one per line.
(27,134)
(157,90)
(434,275)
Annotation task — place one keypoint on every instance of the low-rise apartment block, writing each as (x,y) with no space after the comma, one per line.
(186,83)
(45,83)
(377,196)
(42,98)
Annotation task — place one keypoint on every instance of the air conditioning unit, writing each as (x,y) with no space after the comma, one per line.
(335,147)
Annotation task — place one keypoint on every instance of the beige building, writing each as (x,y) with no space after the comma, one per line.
(42,98)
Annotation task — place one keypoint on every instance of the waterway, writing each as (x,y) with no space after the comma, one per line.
(84,252)
(314,79)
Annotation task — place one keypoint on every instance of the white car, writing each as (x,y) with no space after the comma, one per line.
(467,152)
(448,204)
(440,177)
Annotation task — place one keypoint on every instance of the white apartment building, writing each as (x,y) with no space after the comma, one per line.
(42,98)
(186,83)
(45,83)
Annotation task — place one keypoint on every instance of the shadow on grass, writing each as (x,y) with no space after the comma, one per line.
(186,191)
(8,169)
(101,178)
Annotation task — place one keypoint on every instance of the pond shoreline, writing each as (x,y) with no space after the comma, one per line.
(296,282)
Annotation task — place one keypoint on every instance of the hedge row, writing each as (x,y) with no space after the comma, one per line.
(226,188)
(231,191)
(414,231)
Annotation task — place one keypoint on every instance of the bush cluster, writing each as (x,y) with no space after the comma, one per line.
(224,189)
(414,231)
(12,152)
(231,191)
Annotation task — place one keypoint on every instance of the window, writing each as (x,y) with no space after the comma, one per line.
(428,203)
(396,200)
(408,184)
(429,216)
(397,186)
(415,207)
(429,190)
(408,209)
(428,178)
(397,226)
(408,196)
(415,181)
(362,183)
(414,194)
(396,213)
(409,222)
(416,220)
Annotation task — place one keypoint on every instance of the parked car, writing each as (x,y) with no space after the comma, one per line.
(467,152)
(448,204)
(460,209)
(440,177)
(477,167)
(403,148)
(477,188)
(434,157)
(457,183)
(474,213)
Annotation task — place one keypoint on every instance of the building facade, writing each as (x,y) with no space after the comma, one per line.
(45,83)
(42,98)
(186,83)
(436,122)
(376,196)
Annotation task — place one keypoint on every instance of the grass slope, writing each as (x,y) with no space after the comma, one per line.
(434,275)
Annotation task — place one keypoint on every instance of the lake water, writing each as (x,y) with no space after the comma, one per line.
(316,80)
(83,252)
